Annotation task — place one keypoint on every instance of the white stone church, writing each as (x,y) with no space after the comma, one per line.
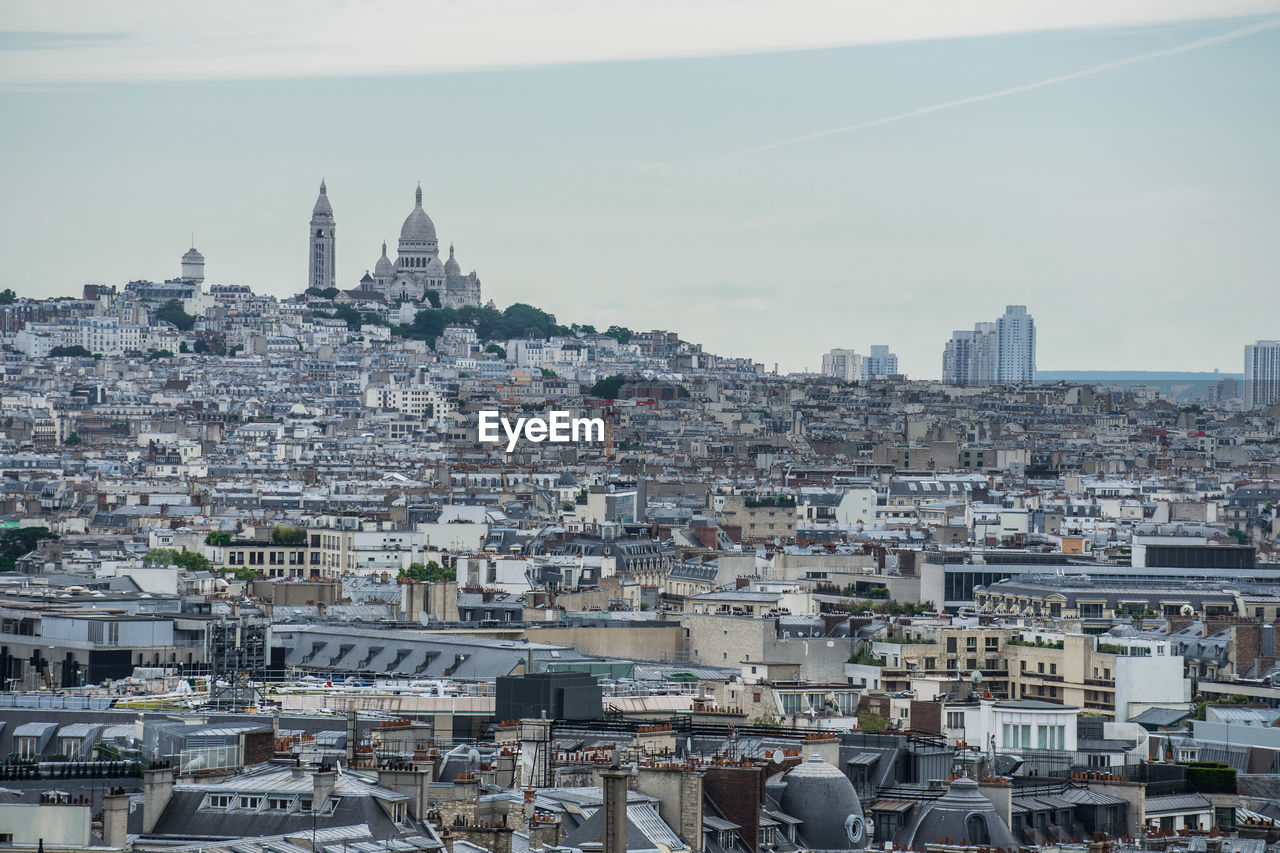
(416,271)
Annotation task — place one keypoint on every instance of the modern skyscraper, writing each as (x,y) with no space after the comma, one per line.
(843,364)
(957,357)
(320,272)
(879,363)
(1003,351)
(1261,374)
(1015,346)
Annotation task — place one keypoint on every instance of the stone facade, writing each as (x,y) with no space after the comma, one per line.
(320,261)
(417,270)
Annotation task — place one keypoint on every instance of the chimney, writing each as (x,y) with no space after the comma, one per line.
(115,818)
(157,789)
(322,784)
(615,809)
(351,733)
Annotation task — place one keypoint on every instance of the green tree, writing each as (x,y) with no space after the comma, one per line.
(7,296)
(19,542)
(74,351)
(189,560)
(326,293)
(872,723)
(548,373)
(500,352)
(432,572)
(217,537)
(214,346)
(73,439)
(182,347)
(433,298)
(245,573)
(157,354)
(608,387)
(621,334)
(171,312)
(288,534)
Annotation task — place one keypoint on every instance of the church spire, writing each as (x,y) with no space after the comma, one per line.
(417,195)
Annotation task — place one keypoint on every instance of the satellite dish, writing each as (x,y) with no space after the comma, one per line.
(975,677)
(473,755)
(1187,610)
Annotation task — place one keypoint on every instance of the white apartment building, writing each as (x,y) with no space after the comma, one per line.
(1016,346)
(1261,374)
(418,401)
(880,363)
(843,364)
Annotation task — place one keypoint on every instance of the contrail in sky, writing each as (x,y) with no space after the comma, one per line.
(1209,41)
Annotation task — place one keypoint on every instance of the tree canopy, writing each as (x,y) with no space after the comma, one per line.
(621,334)
(608,387)
(432,572)
(7,296)
(171,312)
(190,560)
(74,351)
(288,534)
(19,542)
(515,321)
(217,537)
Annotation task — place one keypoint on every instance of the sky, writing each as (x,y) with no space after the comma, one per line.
(768,179)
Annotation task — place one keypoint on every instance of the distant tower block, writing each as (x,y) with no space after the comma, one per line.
(193,266)
(320,271)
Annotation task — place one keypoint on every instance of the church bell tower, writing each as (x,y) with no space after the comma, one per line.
(320,271)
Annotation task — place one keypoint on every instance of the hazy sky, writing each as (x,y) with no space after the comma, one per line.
(1132,202)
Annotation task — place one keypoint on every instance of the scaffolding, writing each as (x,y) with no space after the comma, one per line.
(238,657)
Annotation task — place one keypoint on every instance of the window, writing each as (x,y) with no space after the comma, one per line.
(27,747)
(993,643)
(278,803)
(304,805)
(955,719)
(219,801)
(951,645)
(250,802)
(975,829)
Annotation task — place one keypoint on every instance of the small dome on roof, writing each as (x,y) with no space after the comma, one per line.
(384,267)
(960,816)
(451,266)
(824,799)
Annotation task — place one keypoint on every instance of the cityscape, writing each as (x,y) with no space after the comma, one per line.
(401,560)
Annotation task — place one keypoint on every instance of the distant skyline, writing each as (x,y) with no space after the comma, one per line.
(796,179)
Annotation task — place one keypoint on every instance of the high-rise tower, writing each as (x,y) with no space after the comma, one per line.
(1262,374)
(1015,346)
(320,271)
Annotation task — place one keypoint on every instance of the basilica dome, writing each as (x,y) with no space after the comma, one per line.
(418,227)
(384,267)
(451,266)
